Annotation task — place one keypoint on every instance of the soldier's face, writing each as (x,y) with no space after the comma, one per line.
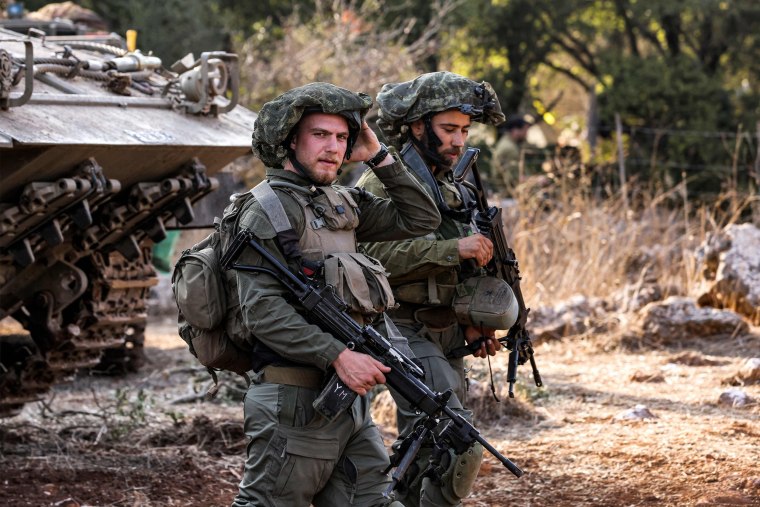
(452,127)
(320,145)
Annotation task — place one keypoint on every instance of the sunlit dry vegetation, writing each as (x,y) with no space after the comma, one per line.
(578,242)
(338,44)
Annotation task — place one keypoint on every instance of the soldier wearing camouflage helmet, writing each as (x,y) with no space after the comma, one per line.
(296,456)
(428,120)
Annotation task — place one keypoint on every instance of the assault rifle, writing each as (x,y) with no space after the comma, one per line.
(329,312)
(503,265)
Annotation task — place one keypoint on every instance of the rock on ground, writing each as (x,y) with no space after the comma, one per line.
(735,398)
(679,318)
(730,264)
(574,316)
(637,413)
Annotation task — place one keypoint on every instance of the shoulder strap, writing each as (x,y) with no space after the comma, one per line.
(272,207)
(414,161)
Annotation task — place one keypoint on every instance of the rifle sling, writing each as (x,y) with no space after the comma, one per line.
(414,161)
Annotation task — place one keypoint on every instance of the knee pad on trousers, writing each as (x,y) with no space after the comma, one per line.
(459,477)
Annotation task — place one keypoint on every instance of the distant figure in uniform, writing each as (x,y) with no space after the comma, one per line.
(509,154)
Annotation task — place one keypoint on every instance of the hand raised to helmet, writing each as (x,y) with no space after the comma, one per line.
(367,146)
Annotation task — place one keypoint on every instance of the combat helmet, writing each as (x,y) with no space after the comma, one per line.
(274,125)
(403,103)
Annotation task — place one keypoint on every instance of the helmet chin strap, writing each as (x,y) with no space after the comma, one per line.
(429,151)
(298,165)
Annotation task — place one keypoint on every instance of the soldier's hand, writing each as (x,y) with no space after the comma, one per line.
(359,372)
(476,247)
(489,346)
(367,145)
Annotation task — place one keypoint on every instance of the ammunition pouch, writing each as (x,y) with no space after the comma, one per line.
(360,281)
(426,293)
(335,398)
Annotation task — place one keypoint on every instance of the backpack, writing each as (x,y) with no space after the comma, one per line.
(210,320)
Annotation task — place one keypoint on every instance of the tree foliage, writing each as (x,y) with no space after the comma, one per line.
(662,66)
(675,65)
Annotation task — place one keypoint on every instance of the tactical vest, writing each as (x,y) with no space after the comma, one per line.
(469,298)
(328,244)
(440,289)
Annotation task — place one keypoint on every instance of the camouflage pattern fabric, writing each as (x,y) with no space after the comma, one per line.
(403,103)
(278,117)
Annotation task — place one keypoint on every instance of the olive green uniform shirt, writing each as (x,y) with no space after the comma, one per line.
(505,164)
(415,259)
(278,324)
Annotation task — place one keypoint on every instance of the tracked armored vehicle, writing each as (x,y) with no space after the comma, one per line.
(101,150)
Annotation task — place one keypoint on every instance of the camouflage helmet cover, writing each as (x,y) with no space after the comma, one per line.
(278,117)
(402,103)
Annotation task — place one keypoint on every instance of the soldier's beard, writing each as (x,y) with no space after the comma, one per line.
(322,178)
(448,162)
(433,157)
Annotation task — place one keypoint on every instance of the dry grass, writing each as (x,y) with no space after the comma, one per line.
(571,241)
(694,453)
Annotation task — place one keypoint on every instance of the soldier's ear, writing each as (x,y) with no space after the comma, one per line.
(418,128)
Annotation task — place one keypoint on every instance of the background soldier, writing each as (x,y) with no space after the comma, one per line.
(428,119)
(295,455)
(508,154)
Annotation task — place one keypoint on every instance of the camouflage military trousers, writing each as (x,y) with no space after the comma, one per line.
(430,347)
(296,457)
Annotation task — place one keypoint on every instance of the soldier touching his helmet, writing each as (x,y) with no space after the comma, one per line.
(428,120)
(296,456)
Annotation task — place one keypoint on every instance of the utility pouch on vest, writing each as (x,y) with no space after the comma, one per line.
(360,281)
(335,209)
(335,398)
(426,293)
(485,301)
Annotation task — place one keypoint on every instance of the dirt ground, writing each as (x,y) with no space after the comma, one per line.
(148,439)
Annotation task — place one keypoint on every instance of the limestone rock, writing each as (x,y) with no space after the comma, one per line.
(571,317)
(633,297)
(734,398)
(750,371)
(730,264)
(679,318)
(649,377)
(637,413)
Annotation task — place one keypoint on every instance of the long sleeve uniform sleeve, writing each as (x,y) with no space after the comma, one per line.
(402,210)
(410,259)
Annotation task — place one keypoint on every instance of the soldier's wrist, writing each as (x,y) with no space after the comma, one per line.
(382,157)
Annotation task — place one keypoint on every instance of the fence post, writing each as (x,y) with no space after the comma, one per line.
(757,156)
(621,160)
(756,205)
